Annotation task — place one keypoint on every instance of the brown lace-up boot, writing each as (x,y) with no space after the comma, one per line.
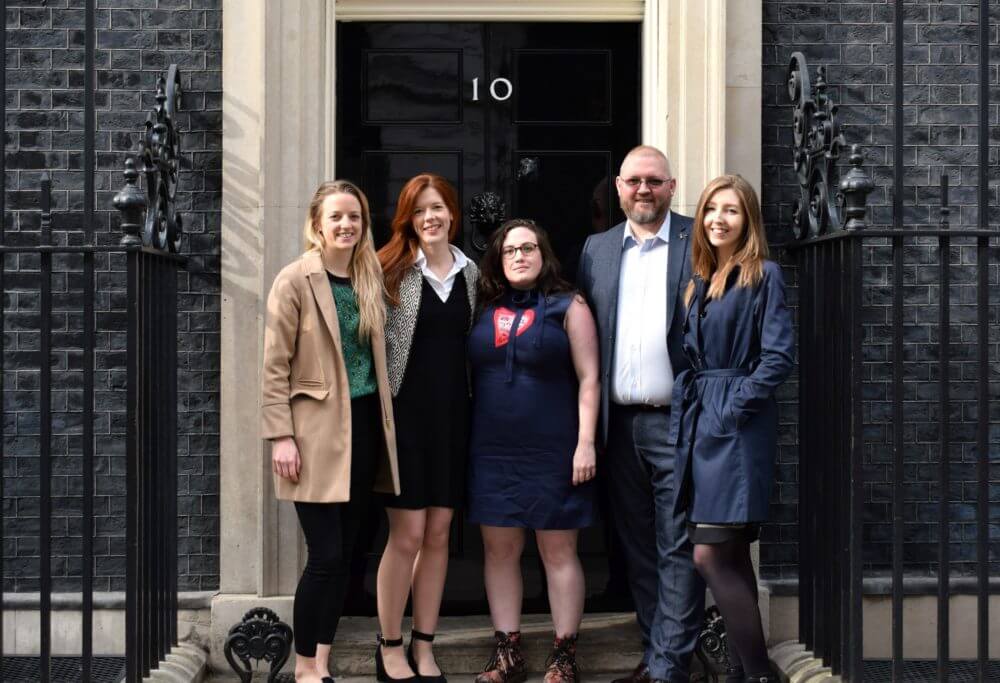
(561,665)
(507,664)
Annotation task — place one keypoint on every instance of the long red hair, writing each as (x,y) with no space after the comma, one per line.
(401,250)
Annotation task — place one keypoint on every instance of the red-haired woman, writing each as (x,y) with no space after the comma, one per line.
(738,336)
(431,291)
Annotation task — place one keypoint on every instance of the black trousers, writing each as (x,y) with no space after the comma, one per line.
(331,531)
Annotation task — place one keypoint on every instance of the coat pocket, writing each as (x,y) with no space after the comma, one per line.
(731,422)
(718,407)
(316,391)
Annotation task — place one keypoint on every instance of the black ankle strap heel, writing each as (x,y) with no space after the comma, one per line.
(380,672)
(427,638)
(385,642)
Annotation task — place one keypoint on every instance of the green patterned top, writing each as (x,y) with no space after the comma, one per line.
(357,356)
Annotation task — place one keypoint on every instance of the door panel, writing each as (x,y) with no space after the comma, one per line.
(547,138)
(402,91)
(428,81)
(580,94)
(567,216)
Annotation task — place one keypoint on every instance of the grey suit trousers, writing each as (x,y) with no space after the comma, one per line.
(669,593)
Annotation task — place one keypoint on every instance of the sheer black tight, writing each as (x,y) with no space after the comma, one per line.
(727,570)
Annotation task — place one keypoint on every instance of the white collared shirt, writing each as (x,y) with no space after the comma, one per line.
(642,373)
(441,287)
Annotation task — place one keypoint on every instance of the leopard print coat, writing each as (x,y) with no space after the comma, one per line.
(401,320)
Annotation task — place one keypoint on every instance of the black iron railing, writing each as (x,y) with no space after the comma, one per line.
(853,283)
(151,534)
(152,229)
(835,439)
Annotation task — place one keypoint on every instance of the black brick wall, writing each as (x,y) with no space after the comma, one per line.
(855,41)
(136,41)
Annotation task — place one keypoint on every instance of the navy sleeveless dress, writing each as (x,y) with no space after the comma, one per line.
(525,417)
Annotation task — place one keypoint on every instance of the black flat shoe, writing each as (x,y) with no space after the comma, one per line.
(380,672)
(427,638)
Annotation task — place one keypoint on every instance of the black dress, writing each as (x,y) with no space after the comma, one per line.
(432,407)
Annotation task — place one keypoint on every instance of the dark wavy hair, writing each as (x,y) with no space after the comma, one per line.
(492,281)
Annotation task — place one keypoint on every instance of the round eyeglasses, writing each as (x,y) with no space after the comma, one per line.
(526,249)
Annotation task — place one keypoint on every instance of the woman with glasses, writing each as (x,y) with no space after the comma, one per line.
(738,336)
(533,351)
(430,286)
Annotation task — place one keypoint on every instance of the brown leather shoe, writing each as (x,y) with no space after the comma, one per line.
(506,665)
(640,674)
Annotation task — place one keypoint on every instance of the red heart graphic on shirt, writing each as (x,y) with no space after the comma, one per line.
(503,319)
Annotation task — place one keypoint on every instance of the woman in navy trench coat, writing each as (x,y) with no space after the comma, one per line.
(738,336)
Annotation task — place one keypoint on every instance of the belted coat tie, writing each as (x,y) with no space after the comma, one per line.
(741,347)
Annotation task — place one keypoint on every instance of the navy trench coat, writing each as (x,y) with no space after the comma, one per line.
(741,347)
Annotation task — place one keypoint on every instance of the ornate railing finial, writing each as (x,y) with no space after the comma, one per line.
(131,203)
(825,203)
(159,152)
(854,190)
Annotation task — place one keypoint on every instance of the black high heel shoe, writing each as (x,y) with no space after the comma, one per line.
(427,638)
(380,673)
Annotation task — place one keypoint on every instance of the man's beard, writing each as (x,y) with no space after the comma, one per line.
(646,216)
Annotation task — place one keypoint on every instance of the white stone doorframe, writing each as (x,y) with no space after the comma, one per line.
(701,103)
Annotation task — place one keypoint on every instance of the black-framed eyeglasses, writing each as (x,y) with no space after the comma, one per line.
(526,249)
(651,183)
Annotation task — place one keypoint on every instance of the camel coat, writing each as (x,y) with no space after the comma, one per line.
(305,392)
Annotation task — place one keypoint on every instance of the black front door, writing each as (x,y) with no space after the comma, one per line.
(540,114)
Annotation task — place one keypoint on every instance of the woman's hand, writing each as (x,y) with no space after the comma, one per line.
(584,462)
(582,333)
(285,460)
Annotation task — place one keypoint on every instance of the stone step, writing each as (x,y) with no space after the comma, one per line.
(608,642)
(261,677)
(589,677)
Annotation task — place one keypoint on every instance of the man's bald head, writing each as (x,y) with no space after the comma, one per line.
(645,186)
(647,151)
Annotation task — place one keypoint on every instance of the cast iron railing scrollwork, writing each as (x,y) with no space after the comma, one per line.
(711,649)
(159,156)
(825,202)
(260,635)
(486,212)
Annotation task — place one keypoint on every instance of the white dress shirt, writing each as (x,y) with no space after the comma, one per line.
(641,373)
(441,287)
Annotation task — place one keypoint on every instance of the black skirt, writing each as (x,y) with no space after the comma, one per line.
(432,409)
(710,534)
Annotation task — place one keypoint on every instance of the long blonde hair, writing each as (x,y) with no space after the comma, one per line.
(363,269)
(750,253)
